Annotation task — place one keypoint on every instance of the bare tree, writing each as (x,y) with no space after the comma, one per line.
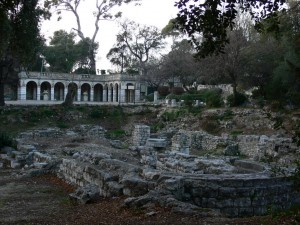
(103,11)
(140,41)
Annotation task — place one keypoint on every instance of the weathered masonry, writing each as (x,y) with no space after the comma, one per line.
(119,88)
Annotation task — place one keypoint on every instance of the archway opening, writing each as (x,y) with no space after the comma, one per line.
(31,91)
(98,93)
(59,91)
(129,93)
(45,91)
(111,88)
(85,92)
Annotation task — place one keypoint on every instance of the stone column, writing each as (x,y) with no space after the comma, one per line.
(92,95)
(104,95)
(114,94)
(66,90)
(38,93)
(155,100)
(122,95)
(22,91)
(109,95)
(52,93)
(137,96)
(79,94)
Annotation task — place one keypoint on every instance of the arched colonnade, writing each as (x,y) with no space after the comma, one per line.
(124,92)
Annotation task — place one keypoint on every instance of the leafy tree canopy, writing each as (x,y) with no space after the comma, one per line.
(207,22)
(65,55)
(20,38)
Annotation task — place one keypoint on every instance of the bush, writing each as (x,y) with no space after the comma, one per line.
(163,90)
(212,97)
(173,115)
(240,99)
(150,97)
(98,113)
(6,140)
(188,98)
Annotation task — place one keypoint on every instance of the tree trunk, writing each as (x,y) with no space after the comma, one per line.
(92,62)
(234,86)
(2,102)
(69,100)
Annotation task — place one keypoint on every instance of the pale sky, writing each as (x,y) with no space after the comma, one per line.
(151,12)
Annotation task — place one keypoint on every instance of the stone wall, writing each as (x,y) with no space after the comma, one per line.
(234,196)
(111,176)
(253,146)
(260,146)
(140,135)
(181,142)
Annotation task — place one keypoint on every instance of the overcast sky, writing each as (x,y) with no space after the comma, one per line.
(151,12)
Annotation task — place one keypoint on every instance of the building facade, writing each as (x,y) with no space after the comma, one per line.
(118,88)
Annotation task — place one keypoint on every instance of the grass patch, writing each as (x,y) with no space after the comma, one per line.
(235,133)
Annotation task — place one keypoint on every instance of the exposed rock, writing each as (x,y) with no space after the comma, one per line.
(117,144)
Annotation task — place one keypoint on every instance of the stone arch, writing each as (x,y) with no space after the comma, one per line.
(31,90)
(59,91)
(116,92)
(130,93)
(73,86)
(85,92)
(45,91)
(98,93)
(105,94)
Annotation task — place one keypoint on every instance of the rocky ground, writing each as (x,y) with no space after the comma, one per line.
(27,200)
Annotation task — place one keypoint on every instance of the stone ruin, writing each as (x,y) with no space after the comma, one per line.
(164,173)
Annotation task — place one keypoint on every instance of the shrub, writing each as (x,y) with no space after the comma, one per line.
(188,98)
(6,140)
(173,115)
(163,90)
(150,97)
(212,97)
(98,113)
(240,99)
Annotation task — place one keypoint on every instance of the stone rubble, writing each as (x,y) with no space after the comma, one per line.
(166,174)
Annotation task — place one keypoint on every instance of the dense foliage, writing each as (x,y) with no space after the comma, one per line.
(207,22)
(20,38)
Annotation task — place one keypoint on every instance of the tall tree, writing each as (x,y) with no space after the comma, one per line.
(180,64)
(207,22)
(285,83)
(20,37)
(65,55)
(228,67)
(103,11)
(140,41)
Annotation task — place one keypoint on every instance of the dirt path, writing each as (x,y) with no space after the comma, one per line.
(24,199)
